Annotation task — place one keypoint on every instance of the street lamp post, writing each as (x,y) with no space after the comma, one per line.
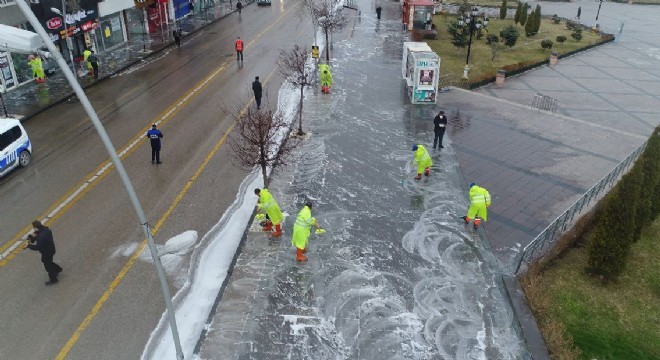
(600,3)
(66,32)
(471,21)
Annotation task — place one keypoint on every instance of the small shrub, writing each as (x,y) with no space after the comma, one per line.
(577,35)
(556,19)
(546,44)
(510,35)
(503,10)
(572,25)
(492,39)
(561,38)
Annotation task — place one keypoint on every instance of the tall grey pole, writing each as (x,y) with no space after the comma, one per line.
(66,37)
(115,159)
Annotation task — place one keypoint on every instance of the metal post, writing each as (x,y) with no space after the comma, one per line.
(467,59)
(66,36)
(117,162)
(600,3)
(2,103)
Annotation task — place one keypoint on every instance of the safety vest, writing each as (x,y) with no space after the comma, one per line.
(305,219)
(266,199)
(239,45)
(479,195)
(421,155)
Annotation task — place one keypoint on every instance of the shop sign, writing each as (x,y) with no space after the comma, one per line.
(80,18)
(54,23)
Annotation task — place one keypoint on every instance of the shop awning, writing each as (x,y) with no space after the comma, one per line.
(19,40)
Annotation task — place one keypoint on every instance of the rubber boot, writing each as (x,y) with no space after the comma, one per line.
(305,251)
(278,230)
(427,171)
(418,177)
(299,255)
(477,222)
(268,226)
(466,219)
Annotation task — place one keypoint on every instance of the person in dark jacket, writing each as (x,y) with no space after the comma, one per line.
(256,87)
(42,240)
(154,136)
(177,37)
(439,125)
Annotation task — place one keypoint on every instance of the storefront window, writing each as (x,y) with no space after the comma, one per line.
(135,21)
(111,32)
(422,16)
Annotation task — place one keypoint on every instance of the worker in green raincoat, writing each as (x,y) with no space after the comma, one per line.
(274,215)
(326,78)
(423,161)
(301,231)
(479,203)
(37,68)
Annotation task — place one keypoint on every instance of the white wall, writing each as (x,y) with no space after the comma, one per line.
(11,15)
(109,7)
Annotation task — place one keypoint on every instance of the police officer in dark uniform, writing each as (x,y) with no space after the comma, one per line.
(154,136)
(42,240)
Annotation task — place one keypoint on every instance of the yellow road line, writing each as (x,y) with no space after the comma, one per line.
(11,248)
(27,228)
(117,280)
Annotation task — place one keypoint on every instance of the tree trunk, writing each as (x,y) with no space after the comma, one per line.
(263,165)
(300,130)
(327,46)
(263,172)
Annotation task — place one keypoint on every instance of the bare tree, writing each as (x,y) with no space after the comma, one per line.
(324,14)
(295,67)
(260,138)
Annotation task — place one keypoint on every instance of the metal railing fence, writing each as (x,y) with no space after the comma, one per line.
(544,241)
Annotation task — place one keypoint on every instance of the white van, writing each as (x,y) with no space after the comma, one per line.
(15,146)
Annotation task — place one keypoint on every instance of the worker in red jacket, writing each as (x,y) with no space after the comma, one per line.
(239,46)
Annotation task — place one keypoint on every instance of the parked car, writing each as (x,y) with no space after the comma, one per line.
(263,2)
(15,146)
(50,66)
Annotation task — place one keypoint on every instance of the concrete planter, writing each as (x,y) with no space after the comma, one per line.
(499,79)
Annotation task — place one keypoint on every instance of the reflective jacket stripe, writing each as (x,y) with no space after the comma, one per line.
(306,223)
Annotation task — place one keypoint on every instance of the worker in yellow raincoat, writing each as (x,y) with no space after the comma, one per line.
(479,203)
(86,54)
(301,231)
(423,161)
(37,68)
(268,205)
(326,78)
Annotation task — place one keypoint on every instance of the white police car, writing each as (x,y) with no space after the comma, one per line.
(15,146)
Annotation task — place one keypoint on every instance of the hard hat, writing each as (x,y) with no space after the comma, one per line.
(471,185)
(308,204)
(414,148)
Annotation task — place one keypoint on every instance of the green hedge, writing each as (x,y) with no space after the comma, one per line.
(632,204)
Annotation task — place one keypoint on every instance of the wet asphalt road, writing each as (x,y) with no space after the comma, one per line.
(185,89)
